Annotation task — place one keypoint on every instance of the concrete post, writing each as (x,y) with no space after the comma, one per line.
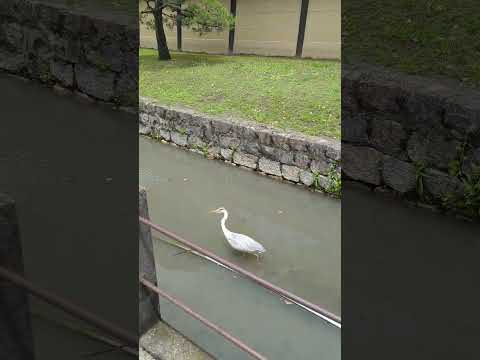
(16,337)
(149,310)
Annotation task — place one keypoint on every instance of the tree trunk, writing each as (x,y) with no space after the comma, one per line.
(163,52)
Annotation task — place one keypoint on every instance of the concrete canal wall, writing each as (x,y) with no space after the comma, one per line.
(413,136)
(304,160)
(157,339)
(16,337)
(148,307)
(94,57)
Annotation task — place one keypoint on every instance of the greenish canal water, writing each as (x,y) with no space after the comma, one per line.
(299,229)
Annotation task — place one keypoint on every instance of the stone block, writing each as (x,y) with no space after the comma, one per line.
(440,184)
(63,72)
(433,148)
(471,162)
(126,89)
(306,177)
(333,151)
(222,126)
(251,147)
(318,147)
(462,113)
(264,137)
(229,142)
(323,182)
(144,119)
(280,141)
(399,175)
(380,92)
(249,134)
(60,90)
(387,136)
(165,134)
(66,49)
(13,35)
(11,61)
(297,143)
(99,84)
(270,167)
(291,173)
(246,160)
(208,131)
(195,141)
(320,165)
(107,56)
(179,139)
(354,128)
(362,163)
(144,130)
(283,156)
(226,154)
(268,151)
(302,160)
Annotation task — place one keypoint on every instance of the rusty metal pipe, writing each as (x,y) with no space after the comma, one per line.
(238,343)
(70,308)
(334,318)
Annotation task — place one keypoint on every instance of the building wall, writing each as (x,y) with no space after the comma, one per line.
(323,30)
(269,28)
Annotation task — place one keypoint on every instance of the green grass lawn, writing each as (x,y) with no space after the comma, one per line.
(434,37)
(301,95)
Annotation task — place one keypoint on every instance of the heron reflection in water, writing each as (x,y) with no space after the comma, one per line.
(239,242)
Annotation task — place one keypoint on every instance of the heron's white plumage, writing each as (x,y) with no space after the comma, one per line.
(239,242)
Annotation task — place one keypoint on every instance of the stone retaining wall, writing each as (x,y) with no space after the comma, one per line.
(59,47)
(416,137)
(310,161)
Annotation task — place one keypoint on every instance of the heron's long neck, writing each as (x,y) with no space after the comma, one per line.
(224,219)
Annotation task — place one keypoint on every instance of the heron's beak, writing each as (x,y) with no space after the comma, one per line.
(212,211)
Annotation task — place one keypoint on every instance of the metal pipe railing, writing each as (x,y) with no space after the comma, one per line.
(326,315)
(238,343)
(70,308)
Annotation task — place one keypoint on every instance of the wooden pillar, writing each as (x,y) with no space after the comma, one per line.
(149,310)
(16,337)
(301,27)
(231,34)
(179,31)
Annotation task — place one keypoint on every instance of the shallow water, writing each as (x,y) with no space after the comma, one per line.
(299,229)
(55,165)
(410,279)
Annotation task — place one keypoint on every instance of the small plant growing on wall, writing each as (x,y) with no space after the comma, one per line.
(334,181)
(419,175)
(155,134)
(469,201)
(455,166)
(183,131)
(316,180)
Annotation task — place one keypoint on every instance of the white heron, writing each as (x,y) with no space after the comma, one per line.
(239,242)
